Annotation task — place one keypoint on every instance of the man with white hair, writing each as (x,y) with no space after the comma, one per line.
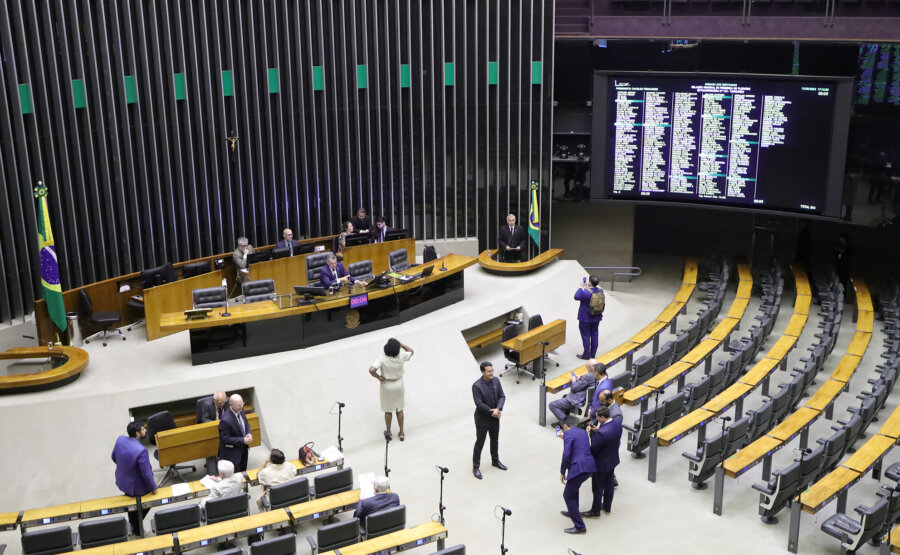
(380,501)
(241,258)
(211,409)
(226,483)
(234,434)
(511,238)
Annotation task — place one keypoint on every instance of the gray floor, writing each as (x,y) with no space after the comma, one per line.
(56,444)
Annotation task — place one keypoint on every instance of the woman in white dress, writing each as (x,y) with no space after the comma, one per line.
(390,366)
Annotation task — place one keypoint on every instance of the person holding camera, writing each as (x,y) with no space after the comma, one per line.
(592,302)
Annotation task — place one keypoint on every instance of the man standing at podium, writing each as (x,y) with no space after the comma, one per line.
(511,238)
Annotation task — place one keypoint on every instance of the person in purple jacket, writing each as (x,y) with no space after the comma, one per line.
(588,324)
(605,439)
(577,466)
(134,475)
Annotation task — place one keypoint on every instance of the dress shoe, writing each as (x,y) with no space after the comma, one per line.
(476,472)
(590,514)
(564,513)
(574,530)
(499,465)
(582,357)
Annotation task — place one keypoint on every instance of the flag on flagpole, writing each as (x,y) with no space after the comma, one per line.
(534,215)
(51,291)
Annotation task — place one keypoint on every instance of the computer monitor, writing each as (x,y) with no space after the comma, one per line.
(158,276)
(358,239)
(259,257)
(305,248)
(427,271)
(394,234)
(310,291)
(281,252)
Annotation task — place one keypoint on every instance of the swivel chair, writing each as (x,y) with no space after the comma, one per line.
(512,356)
(137,306)
(314,265)
(535,321)
(103,319)
(160,422)
(258,290)
(361,270)
(397,260)
(210,297)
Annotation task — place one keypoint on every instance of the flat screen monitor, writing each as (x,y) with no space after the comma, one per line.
(358,239)
(259,257)
(281,252)
(310,291)
(753,141)
(158,276)
(305,248)
(394,234)
(379,280)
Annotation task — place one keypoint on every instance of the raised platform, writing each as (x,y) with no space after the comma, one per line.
(486,260)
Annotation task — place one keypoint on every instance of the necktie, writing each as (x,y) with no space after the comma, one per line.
(241,423)
(218,414)
(291,244)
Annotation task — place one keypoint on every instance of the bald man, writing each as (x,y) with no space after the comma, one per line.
(210,409)
(234,434)
(288,241)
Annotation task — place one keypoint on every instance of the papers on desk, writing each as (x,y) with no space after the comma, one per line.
(332,454)
(180,489)
(366,485)
(207,482)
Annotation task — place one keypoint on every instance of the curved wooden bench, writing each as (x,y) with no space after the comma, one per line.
(516,268)
(74,360)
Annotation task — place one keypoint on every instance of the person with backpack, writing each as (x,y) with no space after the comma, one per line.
(590,311)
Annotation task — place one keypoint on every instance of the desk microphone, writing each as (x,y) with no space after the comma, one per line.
(443,469)
(340,404)
(506,511)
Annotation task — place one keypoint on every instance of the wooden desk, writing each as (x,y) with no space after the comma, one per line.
(491,266)
(68,363)
(620,352)
(683,426)
(891,426)
(669,375)
(865,321)
(636,394)
(801,304)
(49,515)
(683,295)
(649,332)
(871,452)
(218,532)
(825,395)
(751,455)
(176,296)
(819,494)
(671,311)
(845,368)
(796,324)
(397,541)
(199,441)
(801,282)
(690,270)
(528,344)
(317,508)
(744,289)
(782,347)
(8,521)
(760,371)
(859,343)
(723,400)
(724,328)
(562,382)
(793,424)
(738,307)
(486,339)
(701,351)
(744,273)
(863,297)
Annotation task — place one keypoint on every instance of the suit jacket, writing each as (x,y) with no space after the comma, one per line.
(206,410)
(378,234)
(287,244)
(328,278)
(576,457)
(134,475)
(231,439)
(577,393)
(513,239)
(605,384)
(361,224)
(605,445)
(584,298)
(377,502)
(487,396)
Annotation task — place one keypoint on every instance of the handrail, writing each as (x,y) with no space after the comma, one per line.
(631,271)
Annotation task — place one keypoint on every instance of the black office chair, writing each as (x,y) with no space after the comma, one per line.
(332,482)
(103,319)
(397,260)
(103,532)
(510,332)
(175,519)
(282,545)
(429,253)
(314,265)
(136,306)
(288,493)
(258,290)
(361,270)
(228,507)
(47,541)
(455,550)
(196,269)
(384,522)
(160,422)
(535,321)
(210,297)
(334,536)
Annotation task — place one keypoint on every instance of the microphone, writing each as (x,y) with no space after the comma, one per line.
(340,404)
(506,511)
(387,436)
(725,418)
(443,469)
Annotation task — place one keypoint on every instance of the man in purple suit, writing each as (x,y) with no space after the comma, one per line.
(335,273)
(588,324)
(134,476)
(605,439)
(579,464)
(234,434)
(378,502)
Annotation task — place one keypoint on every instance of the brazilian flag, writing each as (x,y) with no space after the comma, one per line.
(50,286)
(534,214)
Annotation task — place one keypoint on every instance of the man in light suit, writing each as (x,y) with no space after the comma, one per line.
(134,475)
(511,238)
(288,241)
(335,273)
(210,409)
(234,434)
(578,462)
(605,439)
(378,502)
(574,398)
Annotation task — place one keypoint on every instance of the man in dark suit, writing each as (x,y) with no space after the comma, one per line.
(288,241)
(380,501)
(361,222)
(335,273)
(574,398)
(603,382)
(210,409)
(511,238)
(381,228)
(134,475)
(234,434)
(489,400)
(588,324)
(605,439)
(578,462)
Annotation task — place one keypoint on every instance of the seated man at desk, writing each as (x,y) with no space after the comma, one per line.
(381,228)
(575,398)
(224,484)
(335,273)
(361,222)
(378,502)
(288,241)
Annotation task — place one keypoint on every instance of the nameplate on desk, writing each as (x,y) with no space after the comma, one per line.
(197,313)
(357,301)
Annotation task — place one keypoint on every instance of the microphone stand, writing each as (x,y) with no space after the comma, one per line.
(442,268)
(225,314)
(340,438)
(503,548)
(441,507)
(387,441)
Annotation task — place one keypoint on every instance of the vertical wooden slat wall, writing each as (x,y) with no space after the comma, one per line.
(336,104)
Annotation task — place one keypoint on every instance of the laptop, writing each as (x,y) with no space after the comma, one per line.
(423,274)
